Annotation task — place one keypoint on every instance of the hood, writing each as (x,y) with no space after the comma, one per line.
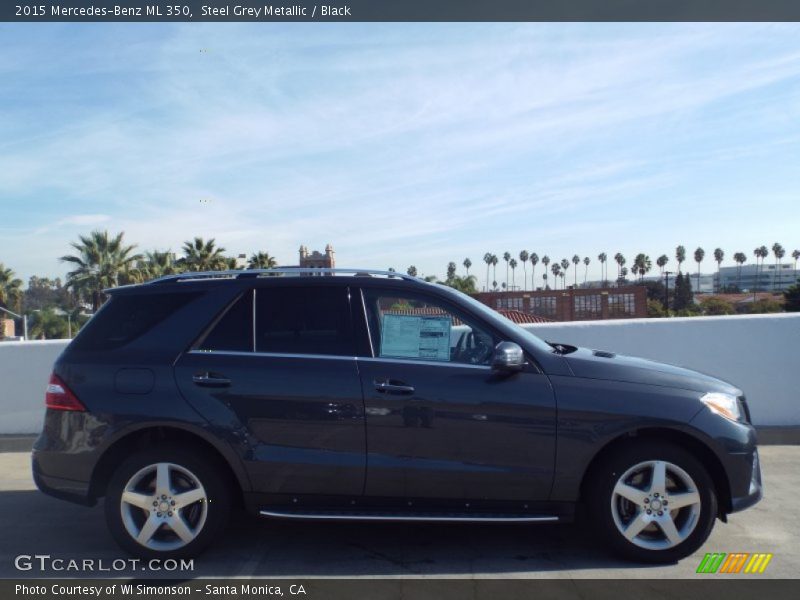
(598,364)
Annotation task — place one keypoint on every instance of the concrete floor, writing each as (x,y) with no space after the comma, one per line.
(32,523)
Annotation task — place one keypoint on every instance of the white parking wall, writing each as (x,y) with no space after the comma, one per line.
(758,353)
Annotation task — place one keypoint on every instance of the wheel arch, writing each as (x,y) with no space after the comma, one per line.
(674,436)
(150,435)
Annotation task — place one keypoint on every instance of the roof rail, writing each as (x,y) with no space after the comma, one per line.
(248,273)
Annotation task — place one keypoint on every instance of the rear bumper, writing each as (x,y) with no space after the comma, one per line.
(58,487)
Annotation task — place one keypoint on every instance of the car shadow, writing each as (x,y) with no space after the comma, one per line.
(35,524)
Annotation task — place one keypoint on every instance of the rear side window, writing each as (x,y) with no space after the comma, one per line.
(233,332)
(126,318)
(296,320)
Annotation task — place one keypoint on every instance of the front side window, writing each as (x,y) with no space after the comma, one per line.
(304,320)
(411,327)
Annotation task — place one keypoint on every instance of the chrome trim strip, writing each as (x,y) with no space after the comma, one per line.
(366,322)
(356,517)
(253,320)
(271,354)
(430,363)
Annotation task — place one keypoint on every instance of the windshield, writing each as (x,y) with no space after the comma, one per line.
(492,315)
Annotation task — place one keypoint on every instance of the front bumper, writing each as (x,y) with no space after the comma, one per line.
(756,490)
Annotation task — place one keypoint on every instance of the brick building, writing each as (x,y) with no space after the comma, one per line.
(585,304)
(316,259)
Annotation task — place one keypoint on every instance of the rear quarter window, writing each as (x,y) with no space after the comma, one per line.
(126,318)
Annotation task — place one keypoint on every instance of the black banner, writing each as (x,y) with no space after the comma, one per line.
(400,10)
(396,589)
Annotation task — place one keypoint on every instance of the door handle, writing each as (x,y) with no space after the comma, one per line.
(209,380)
(388,387)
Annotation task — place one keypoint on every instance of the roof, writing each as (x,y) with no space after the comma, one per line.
(519,317)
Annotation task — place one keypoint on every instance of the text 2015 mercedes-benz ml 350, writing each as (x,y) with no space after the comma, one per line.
(371,395)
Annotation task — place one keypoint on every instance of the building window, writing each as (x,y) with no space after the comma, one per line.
(512,303)
(621,305)
(588,306)
(544,306)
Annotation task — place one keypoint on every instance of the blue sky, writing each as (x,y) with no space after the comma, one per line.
(400,143)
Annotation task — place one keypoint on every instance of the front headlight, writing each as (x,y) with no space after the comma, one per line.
(723,404)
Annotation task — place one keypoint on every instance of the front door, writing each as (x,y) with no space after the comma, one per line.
(440,422)
(287,384)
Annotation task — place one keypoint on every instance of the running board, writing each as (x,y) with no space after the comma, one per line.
(331,515)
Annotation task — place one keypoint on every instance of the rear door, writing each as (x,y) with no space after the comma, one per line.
(278,368)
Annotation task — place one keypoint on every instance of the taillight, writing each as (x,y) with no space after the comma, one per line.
(60,397)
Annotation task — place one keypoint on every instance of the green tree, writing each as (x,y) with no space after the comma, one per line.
(523,257)
(507,258)
(760,253)
(739,258)
(586,261)
(45,324)
(487,258)
(101,262)
(494,269)
(655,309)
(620,260)
(699,255)
(662,261)
(467,264)
(717,306)
(680,256)
(682,299)
(534,262)
(262,260)
(779,253)
(513,264)
(795,256)
(763,306)
(603,257)
(412,270)
(466,283)
(10,289)
(792,298)
(719,256)
(642,265)
(576,260)
(556,269)
(201,255)
(451,270)
(564,268)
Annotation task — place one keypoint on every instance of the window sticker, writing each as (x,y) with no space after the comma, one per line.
(412,336)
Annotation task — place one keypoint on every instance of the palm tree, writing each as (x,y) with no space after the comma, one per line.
(506,257)
(467,264)
(199,255)
(10,288)
(544,277)
(451,271)
(680,256)
(641,265)
(524,256)
(545,262)
(620,260)
(154,265)
(719,256)
(513,263)
(412,270)
(762,253)
(487,258)
(623,273)
(564,267)
(779,253)
(699,255)
(795,256)
(556,269)
(494,269)
(262,260)
(662,261)
(740,258)
(101,262)
(586,262)
(464,284)
(576,260)
(534,262)
(603,257)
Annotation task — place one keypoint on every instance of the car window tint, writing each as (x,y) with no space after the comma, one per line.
(233,331)
(125,318)
(304,320)
(412,327)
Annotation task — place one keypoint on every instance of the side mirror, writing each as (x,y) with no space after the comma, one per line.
(508,357)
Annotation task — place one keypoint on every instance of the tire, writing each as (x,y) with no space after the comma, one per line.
(626,485)
(176,516)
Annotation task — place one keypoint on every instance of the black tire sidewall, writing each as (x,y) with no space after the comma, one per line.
(605,478)
(207,471)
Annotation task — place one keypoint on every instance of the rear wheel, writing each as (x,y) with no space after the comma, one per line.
(167,502)
(652,502)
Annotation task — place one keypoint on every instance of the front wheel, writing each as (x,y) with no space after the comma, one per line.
(166,502)
(652,502)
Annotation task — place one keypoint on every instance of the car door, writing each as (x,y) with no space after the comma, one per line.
(440,422)
(278,370)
